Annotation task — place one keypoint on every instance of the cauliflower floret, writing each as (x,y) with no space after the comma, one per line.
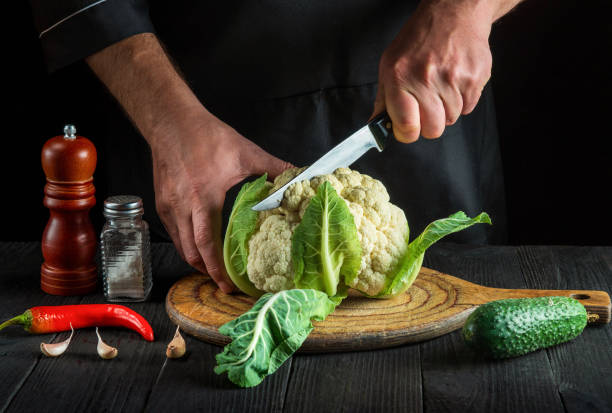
(382,230)
(269,261)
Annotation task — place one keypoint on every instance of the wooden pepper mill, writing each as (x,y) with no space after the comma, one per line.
(69,240)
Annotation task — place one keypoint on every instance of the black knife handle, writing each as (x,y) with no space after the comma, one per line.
(381,127)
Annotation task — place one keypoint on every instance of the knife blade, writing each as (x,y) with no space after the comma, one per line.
(372,135)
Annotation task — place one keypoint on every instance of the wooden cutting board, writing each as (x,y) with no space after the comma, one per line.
(434,305)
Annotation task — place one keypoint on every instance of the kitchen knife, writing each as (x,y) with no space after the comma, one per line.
(372,135)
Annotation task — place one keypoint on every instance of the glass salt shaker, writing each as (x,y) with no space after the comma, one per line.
(125,250)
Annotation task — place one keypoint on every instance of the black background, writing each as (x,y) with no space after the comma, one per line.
(552,86)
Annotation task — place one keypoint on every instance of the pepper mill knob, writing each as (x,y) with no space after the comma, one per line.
(70,132)
(69,241)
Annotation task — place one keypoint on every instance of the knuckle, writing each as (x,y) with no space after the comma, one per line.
(405,124)
(470,101)
(286,165)
(467,109)
(429,70)
(406,135)
(470,106)
(452,114)
(214,270)
(472,82)
(452,76)
(399,71)
(162,207)
(433,131)
(481,81)
(203,236)
(192,258)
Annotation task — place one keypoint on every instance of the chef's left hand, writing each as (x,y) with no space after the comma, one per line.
(436,68)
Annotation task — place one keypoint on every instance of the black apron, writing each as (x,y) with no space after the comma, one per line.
(298,77)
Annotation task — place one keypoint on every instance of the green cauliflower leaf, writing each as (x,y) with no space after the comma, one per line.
(409,265)
(269,333)
(241,225)
(325,248)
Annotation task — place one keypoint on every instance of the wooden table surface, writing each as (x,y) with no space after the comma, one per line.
(438,375)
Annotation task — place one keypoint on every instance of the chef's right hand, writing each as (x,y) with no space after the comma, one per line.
(195,161)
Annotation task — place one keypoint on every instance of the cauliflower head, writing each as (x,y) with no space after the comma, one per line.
(382,230)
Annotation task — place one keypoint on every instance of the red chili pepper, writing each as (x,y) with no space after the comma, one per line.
(51,319)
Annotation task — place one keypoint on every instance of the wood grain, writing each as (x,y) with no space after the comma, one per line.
(437,375)
(581,369)
(20,288)
(80,380)
(435,304)
(458,379)
(384,380)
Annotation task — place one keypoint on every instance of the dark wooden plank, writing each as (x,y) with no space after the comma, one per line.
(20,290)
(582,368)
(453,377)
(79,380)
(190,384)
(457,379)
(374,381)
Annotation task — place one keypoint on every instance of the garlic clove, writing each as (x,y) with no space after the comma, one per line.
(56,349)
(177,347)
(104,350)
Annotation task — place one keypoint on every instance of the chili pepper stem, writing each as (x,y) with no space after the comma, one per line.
(24,319)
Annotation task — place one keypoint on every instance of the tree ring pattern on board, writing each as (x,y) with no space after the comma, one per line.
(428,309)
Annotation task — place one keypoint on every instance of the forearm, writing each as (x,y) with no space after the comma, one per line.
(484,10)
(140,75)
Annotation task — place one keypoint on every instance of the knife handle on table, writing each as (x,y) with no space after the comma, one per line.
(381,127)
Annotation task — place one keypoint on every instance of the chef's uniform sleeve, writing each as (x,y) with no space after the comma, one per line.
(70,30)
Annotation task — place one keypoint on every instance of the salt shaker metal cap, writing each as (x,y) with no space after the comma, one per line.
(123,206)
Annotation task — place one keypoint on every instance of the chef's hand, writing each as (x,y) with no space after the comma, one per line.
(195,162)
(437,66)
(196,157)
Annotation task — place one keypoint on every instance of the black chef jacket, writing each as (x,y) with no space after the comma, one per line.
(296,77)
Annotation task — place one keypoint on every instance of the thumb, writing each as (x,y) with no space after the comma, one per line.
(263,162)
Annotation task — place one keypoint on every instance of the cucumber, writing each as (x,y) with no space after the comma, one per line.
(513,327)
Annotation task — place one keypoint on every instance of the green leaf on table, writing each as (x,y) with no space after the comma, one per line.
(269,333)
(409,265)
(241,225)
(325,246)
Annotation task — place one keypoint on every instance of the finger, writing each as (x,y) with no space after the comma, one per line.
(452,102)
(403,109)
(433,119)
(470,99)
(207,232)
(471,90)
(187,240)
(173,232)
(163,211)
(262,162)
(379,102)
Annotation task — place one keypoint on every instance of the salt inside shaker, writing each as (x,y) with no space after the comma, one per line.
(125,250)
